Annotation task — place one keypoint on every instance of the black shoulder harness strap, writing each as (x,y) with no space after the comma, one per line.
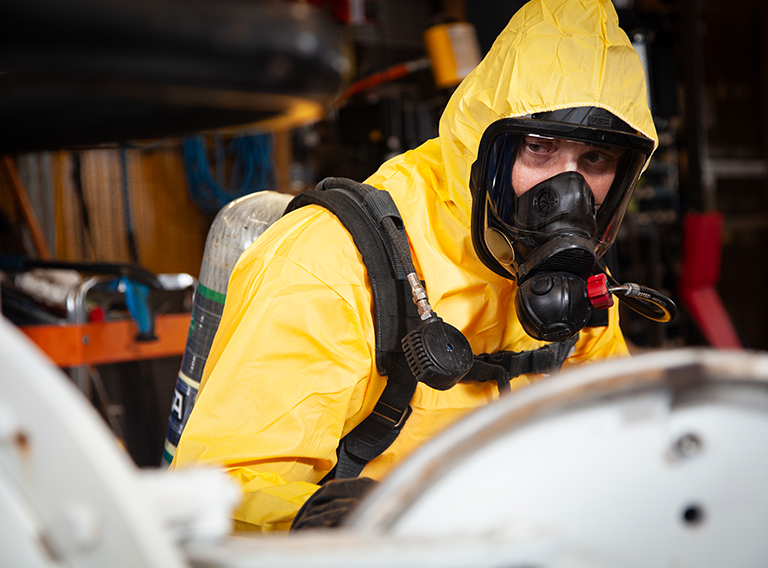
(387,279)
(360,208)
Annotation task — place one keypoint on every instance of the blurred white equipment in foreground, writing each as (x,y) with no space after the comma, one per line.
(655,461)
(70,497)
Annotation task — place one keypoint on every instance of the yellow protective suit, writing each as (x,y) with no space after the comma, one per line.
(292,368)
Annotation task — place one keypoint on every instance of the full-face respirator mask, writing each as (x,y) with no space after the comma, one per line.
(549,237)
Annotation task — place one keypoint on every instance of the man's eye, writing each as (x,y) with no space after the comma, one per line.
(537,148)
(597,159)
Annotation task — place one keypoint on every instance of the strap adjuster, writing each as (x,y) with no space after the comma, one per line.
(375,434)
(392,414)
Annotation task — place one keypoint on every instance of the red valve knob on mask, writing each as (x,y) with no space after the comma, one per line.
(597,290)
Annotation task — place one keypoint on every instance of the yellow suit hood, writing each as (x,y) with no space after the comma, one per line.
(553,54)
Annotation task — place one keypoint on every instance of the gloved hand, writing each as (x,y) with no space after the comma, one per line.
(331,504)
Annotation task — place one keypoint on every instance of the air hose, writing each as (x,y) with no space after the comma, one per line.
(645,301)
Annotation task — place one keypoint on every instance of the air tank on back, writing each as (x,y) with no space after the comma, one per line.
(235,227)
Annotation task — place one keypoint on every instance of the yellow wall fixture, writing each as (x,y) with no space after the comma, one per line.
(454,51)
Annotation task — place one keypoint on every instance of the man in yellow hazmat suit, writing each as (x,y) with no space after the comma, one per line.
(292,368)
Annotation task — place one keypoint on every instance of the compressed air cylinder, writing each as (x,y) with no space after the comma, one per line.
(453,50)
(235,227)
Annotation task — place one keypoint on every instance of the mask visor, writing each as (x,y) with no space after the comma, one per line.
(505,230)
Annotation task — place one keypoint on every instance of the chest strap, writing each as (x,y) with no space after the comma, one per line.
(503,366)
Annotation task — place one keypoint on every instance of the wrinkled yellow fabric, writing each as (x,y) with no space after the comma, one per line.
(292,368)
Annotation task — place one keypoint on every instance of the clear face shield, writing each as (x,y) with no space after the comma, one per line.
(548,199)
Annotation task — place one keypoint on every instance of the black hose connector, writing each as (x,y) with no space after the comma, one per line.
(438,354)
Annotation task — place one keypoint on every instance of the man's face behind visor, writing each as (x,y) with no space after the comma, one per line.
(540,158)
(536,180)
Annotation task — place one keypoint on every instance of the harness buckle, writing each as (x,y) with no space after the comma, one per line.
(392,414)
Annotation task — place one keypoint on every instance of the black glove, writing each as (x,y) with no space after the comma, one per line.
(330,505)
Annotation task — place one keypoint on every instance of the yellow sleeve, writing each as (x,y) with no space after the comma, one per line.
(288,372)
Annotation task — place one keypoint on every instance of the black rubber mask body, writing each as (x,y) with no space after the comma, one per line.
(557,228)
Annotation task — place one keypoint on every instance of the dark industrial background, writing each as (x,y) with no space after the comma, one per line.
(111,130)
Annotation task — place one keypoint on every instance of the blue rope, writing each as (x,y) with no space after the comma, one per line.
(252,169)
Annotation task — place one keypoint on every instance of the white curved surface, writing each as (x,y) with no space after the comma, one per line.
(592,459)
(74,497)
